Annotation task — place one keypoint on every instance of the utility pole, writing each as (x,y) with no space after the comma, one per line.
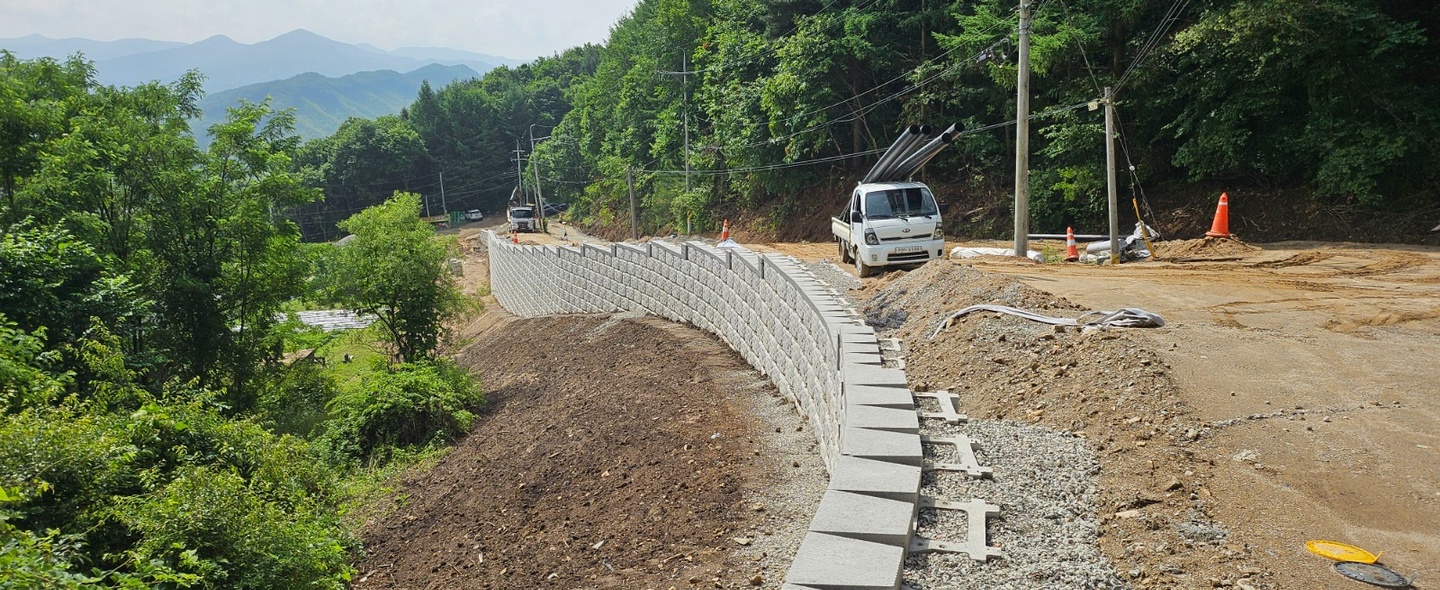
(634,224)
(685,103)
(684,74)
(1110,175)
(539,198)
(443,209)
(1022,136)
(519,176)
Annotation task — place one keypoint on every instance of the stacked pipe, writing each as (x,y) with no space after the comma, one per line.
(904,145)
(909,166)
(909,152)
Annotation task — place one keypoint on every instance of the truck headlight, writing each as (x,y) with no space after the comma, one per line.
(938,234)
(870,237)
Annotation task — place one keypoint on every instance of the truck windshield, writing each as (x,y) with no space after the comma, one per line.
(522,213)
(900,202)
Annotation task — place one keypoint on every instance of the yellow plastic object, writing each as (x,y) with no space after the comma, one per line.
(1340,551)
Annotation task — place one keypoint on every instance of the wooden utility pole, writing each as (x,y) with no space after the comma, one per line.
(443,208)
(634,216)
(1110,175)
(1022,136)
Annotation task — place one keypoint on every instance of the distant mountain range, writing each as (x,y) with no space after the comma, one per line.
(321,104)
(228,64)
(326,81)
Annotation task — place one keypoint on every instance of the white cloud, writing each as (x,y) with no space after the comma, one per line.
(518,29)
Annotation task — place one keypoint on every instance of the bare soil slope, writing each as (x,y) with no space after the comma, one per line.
(613,453)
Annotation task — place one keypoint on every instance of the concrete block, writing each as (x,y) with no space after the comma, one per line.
(861,358)
(831,562)
(866,518)
(881,445)
(881,418)
(876,478)
(861,374)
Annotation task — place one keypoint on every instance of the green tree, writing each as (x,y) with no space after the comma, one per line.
(36,98)
(395,268)
(358,166)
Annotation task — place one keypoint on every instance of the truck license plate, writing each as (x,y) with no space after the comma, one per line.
(903,249)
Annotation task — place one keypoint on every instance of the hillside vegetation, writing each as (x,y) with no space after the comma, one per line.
(1326,105)
(166,422)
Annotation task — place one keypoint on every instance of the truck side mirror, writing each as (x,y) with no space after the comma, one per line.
(856,217)
(944,206)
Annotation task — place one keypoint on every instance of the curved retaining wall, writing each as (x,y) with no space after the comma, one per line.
(795,331)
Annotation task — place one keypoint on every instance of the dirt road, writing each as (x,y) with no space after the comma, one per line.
(1308,376)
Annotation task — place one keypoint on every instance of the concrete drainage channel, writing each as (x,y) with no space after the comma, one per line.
(804,337)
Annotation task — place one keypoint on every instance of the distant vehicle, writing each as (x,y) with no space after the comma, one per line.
(889,220)
(522,218)
(474,215)
(553,209)
(889,223)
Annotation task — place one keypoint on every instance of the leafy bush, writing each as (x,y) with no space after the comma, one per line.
(29,560)
(294,400)
(210,528)
(112,478)
(410,404)
(23,380)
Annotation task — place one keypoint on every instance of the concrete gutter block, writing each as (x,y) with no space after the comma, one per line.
(860,374)
(882,418)
(865,518)
(854,333)
(876,478)
(880,445)
(836,563)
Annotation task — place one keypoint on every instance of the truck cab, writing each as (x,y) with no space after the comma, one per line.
(889,224)
(522,218)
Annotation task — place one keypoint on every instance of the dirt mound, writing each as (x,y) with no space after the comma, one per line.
(1204,248)
(1104,386)
(567,481)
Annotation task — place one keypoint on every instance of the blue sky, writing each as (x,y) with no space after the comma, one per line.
(510,28)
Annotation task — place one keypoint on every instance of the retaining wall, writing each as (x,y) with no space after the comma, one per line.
(796,332)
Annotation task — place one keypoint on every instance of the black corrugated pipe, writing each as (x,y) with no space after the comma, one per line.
(913,137)
(911,165)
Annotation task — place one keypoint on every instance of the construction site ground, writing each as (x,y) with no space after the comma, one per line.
(1294,394)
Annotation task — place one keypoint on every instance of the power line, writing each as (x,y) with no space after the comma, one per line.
(826,159)
(1171,17)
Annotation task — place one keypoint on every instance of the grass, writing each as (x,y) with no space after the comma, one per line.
(371,492)
(366,355)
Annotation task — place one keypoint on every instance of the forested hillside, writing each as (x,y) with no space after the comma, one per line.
(1322,105)
(167,423)
(322,103)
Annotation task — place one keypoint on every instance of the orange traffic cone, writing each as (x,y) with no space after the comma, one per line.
(1221,227)
(514,237)
(1071,253)
(725,231)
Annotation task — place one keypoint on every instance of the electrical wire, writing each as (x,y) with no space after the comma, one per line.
(826,159)
(1161,30)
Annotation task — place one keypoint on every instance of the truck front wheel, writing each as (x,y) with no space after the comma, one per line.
(861,269)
